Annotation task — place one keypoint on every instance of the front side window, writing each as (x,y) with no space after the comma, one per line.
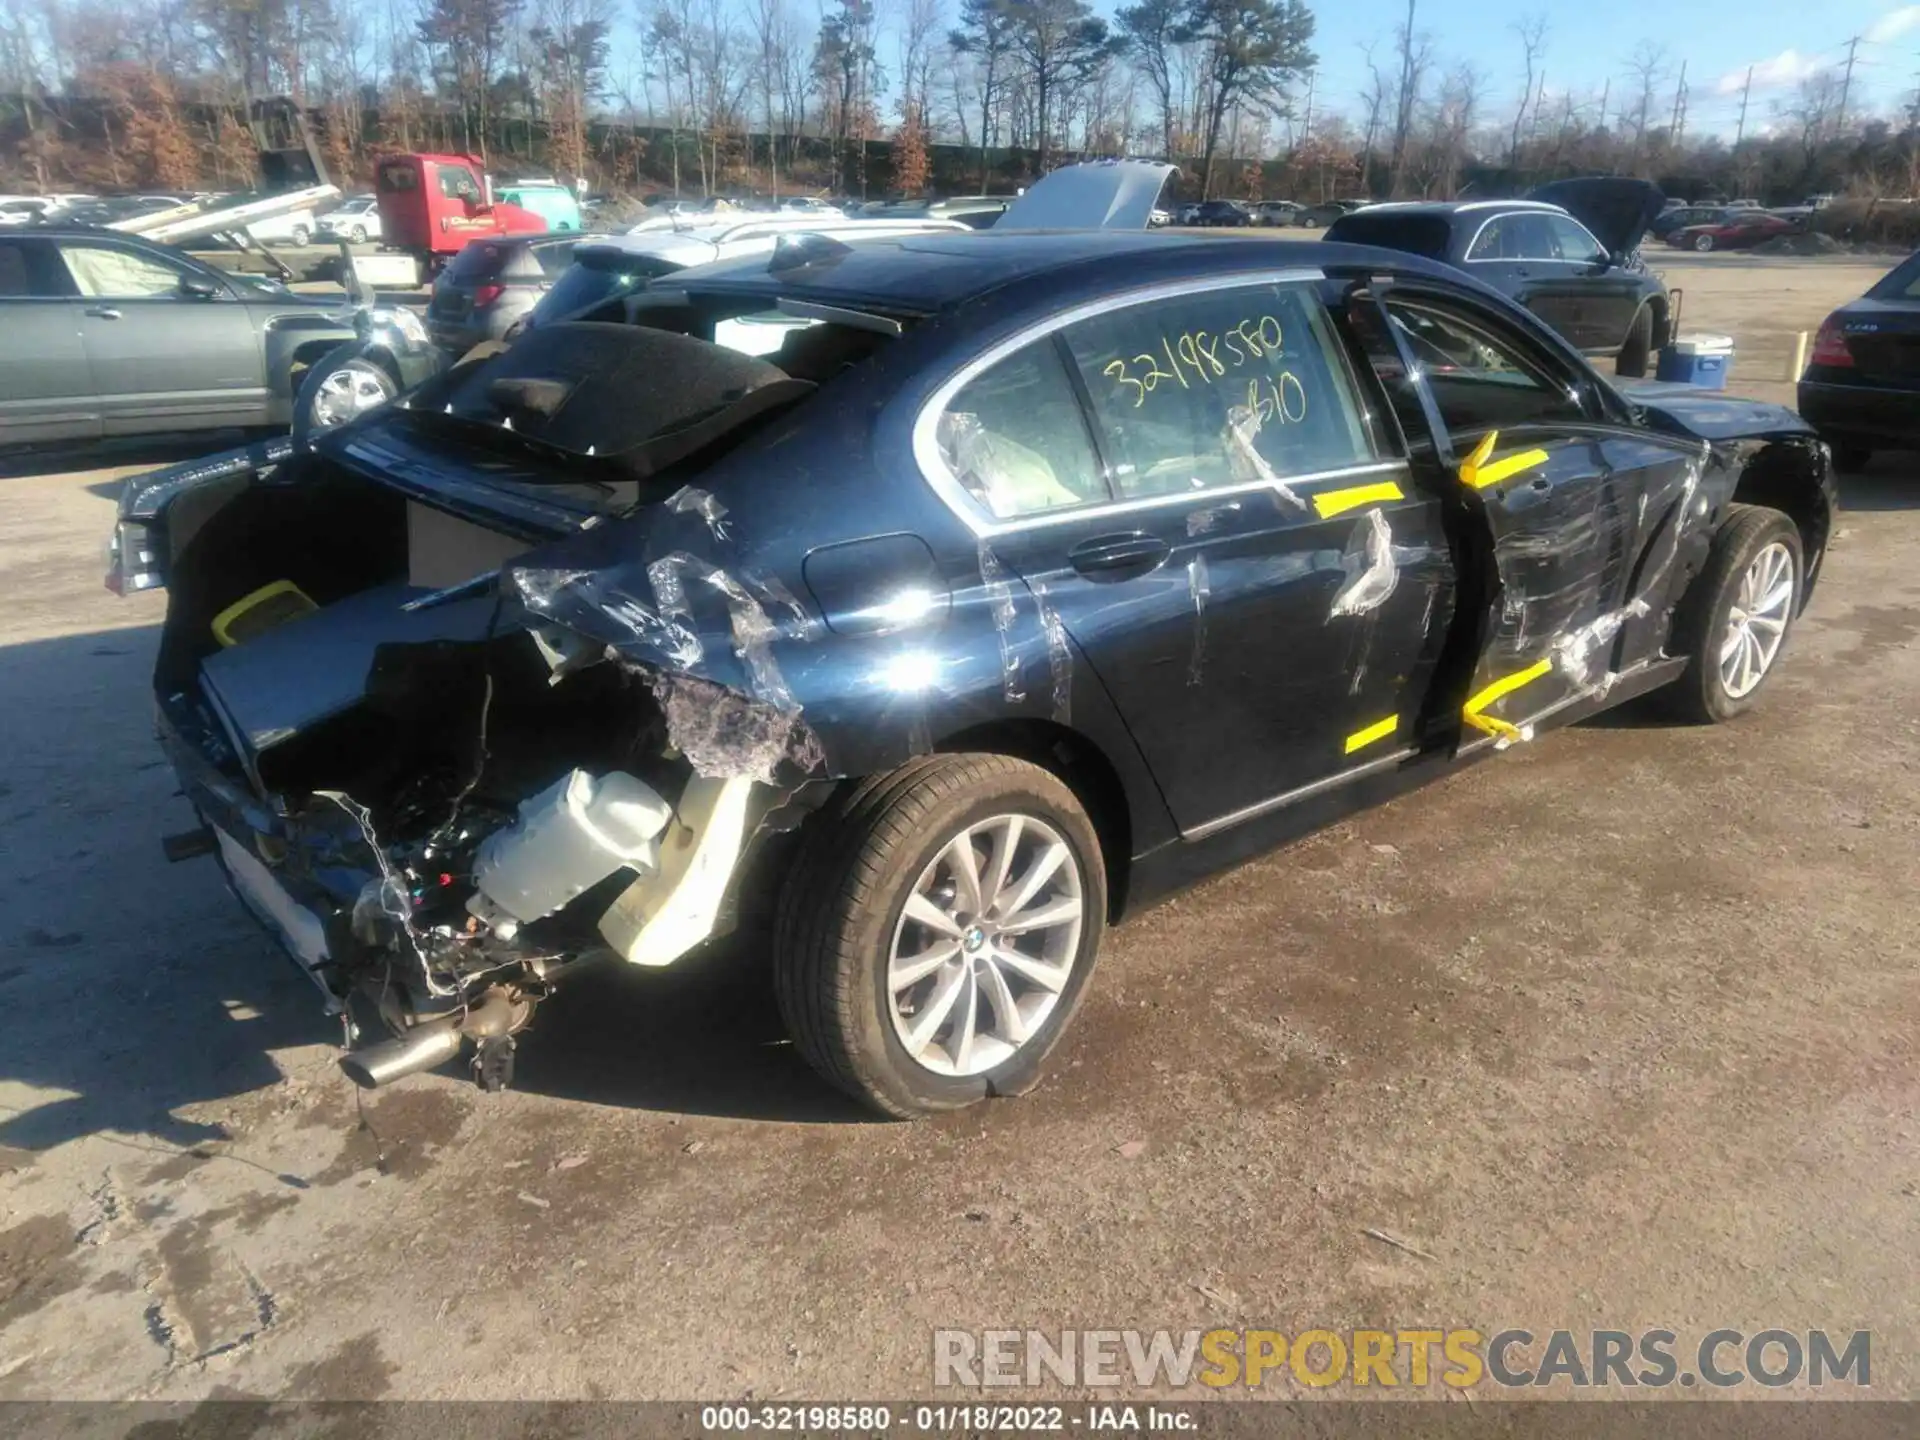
(1016,440)
(1218,387)
(106,273)
(458,185)
(1572,242)
(1480,379)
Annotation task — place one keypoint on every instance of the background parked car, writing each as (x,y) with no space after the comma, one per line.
(1230,214)
(1276,212)
(356,220)
(492,283)
(1861,389)
(1734,228)
(1569,255)
(1679,217)
(549,199)
(103,333)
(1316,217)
(293,228)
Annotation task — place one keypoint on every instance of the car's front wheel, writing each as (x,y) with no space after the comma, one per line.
(1703,243)
(358,235)
(1733,621)
(301,235)
(935,938)
(343,390)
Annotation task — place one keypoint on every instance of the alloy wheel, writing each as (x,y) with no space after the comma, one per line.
(346,394)
(986,944)
(1757,620)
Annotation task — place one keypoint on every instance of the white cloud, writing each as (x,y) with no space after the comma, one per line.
(1789,67)
(1894,24)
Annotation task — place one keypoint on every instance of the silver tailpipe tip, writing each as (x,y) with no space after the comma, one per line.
(372,1066)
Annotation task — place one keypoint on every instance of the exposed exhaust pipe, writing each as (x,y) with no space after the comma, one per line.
(498,1012)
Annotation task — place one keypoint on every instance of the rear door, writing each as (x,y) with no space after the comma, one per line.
(46,387)
(1230,545)
(162,358)
(1504,252)
(1563,515)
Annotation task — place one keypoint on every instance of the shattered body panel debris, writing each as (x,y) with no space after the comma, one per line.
(723,733)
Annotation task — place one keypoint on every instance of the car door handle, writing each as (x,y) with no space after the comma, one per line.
(1118,557)
(103,312)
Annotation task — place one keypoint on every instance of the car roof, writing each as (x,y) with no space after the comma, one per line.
(924,274)
(1461,207)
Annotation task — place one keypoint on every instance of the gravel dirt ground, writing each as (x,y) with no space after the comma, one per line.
(1615,1030)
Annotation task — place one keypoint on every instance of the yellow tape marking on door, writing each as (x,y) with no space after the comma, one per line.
(1338,502)
(1499,470)
(1360,739)
(1499,689)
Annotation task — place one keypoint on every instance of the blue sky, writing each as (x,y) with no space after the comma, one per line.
(1588,42)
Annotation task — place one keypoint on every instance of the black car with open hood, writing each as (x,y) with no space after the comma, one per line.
(1569,253)
(1031,575)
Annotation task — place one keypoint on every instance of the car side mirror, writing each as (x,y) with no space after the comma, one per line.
(196,287)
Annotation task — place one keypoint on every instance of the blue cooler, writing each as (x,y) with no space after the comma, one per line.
(1703,360)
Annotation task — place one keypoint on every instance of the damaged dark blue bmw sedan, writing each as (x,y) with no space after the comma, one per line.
(939,600)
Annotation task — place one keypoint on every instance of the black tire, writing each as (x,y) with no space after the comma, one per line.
(300,234)
(1638,348)
(1703,243)
(358,235)
(860,858)
(1700,695)
(1851,459)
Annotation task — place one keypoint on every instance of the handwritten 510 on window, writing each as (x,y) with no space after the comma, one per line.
(1199,357)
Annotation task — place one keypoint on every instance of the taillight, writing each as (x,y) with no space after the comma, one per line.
(485,295)
(1830,345)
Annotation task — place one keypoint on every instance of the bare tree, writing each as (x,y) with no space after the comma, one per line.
(1648,66)
(1416,57)
(1532,30)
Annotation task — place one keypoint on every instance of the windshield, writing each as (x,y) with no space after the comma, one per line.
(594,279)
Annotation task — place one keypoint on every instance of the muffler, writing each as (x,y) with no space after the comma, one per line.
(421,1048)
(436,1042)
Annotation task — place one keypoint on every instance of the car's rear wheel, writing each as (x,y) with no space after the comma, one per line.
(1638,349)
(300,234)
(1733,622)
(935,938)
(1703,243)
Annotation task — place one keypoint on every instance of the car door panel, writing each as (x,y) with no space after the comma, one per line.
(1269,649)
(1514,433)
(1261,584)
(160,358)
(46,387)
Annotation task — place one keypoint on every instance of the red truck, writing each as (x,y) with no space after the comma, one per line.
(431,206)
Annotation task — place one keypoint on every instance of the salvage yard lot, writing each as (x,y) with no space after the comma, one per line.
(1614,1030)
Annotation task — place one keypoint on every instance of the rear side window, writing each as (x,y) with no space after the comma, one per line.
(1219,387)
(1016,440)
(28,269)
